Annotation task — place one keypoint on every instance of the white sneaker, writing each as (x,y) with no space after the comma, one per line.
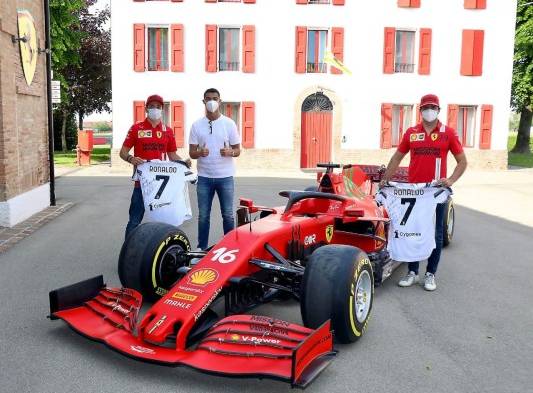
(429,282)
(409,280)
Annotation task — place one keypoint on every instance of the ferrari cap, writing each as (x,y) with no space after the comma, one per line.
(154,98)
(429,99)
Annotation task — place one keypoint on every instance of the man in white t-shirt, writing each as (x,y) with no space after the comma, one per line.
(214,142)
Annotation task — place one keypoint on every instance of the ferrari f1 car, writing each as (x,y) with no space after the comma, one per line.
(326,248)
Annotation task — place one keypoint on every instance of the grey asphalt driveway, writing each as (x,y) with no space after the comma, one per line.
(474,334)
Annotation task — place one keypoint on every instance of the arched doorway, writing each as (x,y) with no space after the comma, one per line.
(317,118)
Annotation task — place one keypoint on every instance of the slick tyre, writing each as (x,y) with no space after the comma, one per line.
(150,257)
(449,223)
(338,284)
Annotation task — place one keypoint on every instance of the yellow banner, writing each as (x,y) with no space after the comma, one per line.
(330,59)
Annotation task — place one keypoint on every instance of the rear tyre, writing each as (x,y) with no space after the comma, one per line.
(338,284)
(150,257)
(449,223)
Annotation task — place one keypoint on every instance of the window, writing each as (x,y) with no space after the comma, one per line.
(318,1)
(465,125)
(405,51)
(231,110)
(402,116)
(472,52)
(229,1)
(166,113)
(228,56)
(316,47)
(157,49)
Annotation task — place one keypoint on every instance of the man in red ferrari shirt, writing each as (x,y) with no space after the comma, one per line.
(428,144)
(150,140)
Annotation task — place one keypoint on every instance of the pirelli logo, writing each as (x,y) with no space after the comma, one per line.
(184,296)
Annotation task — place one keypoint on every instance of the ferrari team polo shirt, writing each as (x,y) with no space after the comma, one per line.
(429,152)
(148,142)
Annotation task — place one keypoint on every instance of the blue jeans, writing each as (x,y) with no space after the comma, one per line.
(434,258)
(205,192)
(136,210)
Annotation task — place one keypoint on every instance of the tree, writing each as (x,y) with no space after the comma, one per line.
(81,53)
(90,83)
(522,87)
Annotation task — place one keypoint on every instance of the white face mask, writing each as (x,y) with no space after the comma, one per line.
(212,106)
(154,114)
(430,115)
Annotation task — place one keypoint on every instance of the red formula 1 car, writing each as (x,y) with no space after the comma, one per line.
(326,248)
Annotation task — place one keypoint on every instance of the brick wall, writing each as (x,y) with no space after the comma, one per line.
(23,110)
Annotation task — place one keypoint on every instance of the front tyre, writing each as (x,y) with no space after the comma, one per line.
(449,222)
(338,284)
(150,257)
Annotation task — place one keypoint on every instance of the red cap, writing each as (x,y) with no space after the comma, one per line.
(429,99)
(155,98)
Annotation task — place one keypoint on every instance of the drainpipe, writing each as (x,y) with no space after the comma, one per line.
(48,53)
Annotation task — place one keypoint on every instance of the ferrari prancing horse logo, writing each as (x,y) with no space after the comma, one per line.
(28,44)
(329,233)
(434,137)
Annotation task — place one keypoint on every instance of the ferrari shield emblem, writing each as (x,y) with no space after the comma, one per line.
(27,44)
(434,137)
(329,233)
(159,134)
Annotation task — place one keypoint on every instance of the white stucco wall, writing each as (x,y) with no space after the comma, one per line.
(275,86)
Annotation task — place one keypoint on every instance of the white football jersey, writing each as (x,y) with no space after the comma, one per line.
(165,191)
(411,209)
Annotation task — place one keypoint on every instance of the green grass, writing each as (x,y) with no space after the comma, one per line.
(98,155)
(515,159)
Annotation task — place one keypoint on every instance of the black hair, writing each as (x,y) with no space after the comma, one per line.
(212,90)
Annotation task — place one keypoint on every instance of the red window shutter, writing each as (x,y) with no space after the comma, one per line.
(249,1)
(472,52)
(338,2)
(138,47)
(404,3)
(337,46)
(485,134)
(388,50)
(301,1)
(301,49)
(467,52)
(176,32)
(453,110)
(386,126)
(211,48)
(176,1)
(176,109)
(138,0)
(477,66)
(210,1)
(424,60)
(415,3)
(138,111)
(248,124)
(475,4)
(248,48)
(418,119)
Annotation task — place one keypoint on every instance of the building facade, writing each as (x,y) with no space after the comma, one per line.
(24,163)
(292,108)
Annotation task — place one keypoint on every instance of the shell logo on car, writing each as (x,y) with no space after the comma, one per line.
(203,277)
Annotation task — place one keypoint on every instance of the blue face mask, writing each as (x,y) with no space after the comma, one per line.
(154,114)
(430,115)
